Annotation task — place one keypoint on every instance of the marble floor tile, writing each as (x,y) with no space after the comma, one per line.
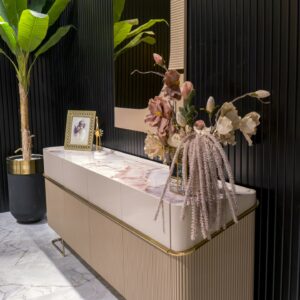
(31,268)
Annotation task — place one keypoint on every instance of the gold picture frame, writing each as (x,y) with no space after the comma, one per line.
(80,129)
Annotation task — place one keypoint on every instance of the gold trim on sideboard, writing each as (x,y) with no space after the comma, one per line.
(144,237)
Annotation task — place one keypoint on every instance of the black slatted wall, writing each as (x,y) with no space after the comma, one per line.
(236,46)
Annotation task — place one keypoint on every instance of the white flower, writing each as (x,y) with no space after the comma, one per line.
(229,111)
(188,129)
(210,105)
(180,119)
(248,125)
(227,139)
(153,147)
(260,94)
(174,140)
(224,125)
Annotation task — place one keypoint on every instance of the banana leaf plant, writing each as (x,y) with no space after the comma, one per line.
(125,35)
(23,27)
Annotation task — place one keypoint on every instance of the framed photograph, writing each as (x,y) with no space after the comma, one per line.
(80,130)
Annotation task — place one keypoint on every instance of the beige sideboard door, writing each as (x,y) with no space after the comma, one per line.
(107,249)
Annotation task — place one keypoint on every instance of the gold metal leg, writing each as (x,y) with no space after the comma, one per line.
(62,249)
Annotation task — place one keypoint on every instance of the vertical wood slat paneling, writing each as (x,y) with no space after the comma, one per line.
(256,44)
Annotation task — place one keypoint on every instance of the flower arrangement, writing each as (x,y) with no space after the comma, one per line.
(177,131)
(169,123)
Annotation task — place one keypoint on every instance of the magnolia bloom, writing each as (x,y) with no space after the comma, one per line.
(159,109)
(227,139)
(248,126)
(186,89)
(174,140)
(229,111)
(172,82)
(224,125)
(158,59)
(227,123)
(154,147)
(210,105)
(160,116)
(260,94)
(180,119)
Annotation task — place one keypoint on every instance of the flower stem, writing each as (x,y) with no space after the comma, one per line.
(148,72)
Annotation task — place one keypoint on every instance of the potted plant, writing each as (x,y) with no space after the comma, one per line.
(24,27)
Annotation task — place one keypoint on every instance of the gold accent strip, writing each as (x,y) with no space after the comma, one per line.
(16,166)
(62,249)
(143,236)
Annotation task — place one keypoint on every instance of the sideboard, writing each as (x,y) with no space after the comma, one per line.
(103,206)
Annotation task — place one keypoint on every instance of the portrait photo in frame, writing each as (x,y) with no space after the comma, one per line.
(80,130)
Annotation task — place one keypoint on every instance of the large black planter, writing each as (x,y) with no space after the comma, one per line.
(26,188)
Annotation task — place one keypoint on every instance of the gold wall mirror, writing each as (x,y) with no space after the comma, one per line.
(132,92)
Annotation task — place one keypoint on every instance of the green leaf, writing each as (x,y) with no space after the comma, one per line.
(118,7)
(8,35)
(37,5)
(11,11)
(21,5)
(140,38)
(121,30)
(33,27)
(145,26)
(3,11)
(56,9)
(54,39)
(132,21)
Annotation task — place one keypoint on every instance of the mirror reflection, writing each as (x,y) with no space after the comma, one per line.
(140,29)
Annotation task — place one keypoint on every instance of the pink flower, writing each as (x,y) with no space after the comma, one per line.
(172,82)
(158,59)
(186,89)
(200,124)
(160,116)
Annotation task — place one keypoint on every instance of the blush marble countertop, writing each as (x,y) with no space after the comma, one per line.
(138,173)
